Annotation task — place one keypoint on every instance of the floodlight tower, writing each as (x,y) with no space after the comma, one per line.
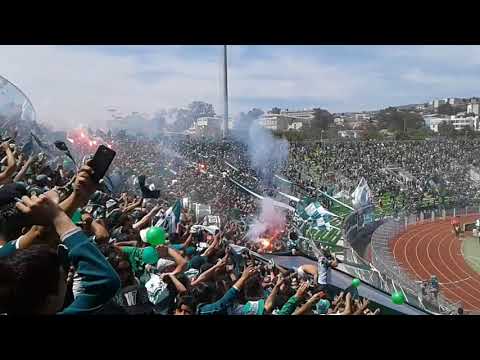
(225,93)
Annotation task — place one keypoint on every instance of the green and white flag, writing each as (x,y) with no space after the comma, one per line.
(314,211)
(172,217)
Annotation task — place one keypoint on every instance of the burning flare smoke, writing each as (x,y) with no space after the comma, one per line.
(268,228)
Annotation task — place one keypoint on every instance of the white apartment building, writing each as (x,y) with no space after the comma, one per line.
(351,134)
(208,126)
(473,108)
(297,125)
(437,102)
(362,117)
(287,120)
(274,122)
(459,122)
(454,101)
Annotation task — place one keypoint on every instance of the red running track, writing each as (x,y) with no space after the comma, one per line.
(432,249)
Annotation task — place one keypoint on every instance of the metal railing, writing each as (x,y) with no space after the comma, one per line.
(384,261)
(386,273)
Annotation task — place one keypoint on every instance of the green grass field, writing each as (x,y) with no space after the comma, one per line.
(471,252)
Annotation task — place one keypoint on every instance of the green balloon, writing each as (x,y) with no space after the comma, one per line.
(398,298)
(156,236)
(356,282)
(149,255)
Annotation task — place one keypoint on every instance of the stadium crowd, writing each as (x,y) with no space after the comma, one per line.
(437,169)
(70,245)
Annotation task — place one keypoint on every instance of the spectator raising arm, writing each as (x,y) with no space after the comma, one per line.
(24,169)
(181,289)
(145,220)
(96,227)
(179,260)
(273,295)
(132,206)
(99,280)
(361,305)
(292,303)
(308,305)
(5,176)
(83,188)
(221,306)
(206,275)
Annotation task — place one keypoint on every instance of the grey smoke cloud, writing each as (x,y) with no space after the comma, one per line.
(266,152)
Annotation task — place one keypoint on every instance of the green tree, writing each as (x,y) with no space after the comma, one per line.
(184,118)
(322,120)
(372,132)
(200,109)
(447,109)
(275,110)
(446,129)
(395,120)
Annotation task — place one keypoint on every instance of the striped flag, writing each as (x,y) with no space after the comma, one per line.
(362,195)
(172,217)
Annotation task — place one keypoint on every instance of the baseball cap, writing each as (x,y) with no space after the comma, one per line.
(143,235)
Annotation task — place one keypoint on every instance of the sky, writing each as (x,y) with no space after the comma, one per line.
(74,85)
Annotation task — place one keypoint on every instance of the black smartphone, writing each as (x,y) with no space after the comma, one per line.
(101,162)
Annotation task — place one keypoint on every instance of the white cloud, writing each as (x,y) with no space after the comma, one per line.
(71,85)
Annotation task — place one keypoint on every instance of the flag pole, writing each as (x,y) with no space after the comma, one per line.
(225,92)
(332,198)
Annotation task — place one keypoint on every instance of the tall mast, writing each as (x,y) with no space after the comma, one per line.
(225,92)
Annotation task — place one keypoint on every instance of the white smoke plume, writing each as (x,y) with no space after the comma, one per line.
(266,152)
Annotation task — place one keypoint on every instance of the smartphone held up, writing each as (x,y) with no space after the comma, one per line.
(101,162)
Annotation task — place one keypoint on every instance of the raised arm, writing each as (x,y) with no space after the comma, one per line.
(132,206)
(83,188)
(292,303)
(230,296)
(181,289)
(213,246)
(24,169)
(100,282)
(361,306)
(6,175)
(144,221)
(308,305)
(206,275)
(97,228)
(348,304)
(179,260)
(273,295)
(311,270)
